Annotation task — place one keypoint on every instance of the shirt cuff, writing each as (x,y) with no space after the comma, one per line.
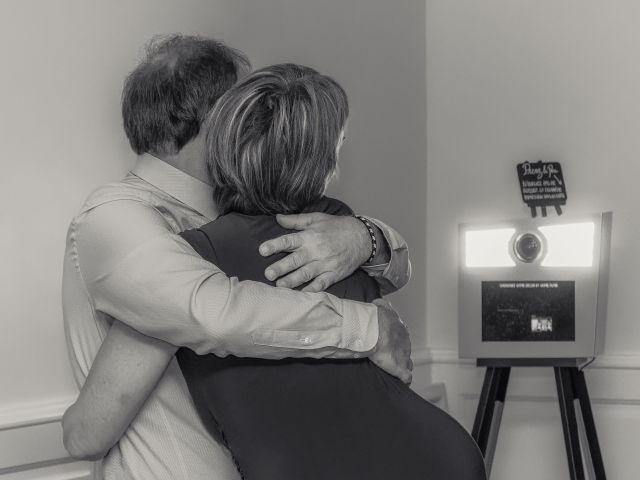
(359,327)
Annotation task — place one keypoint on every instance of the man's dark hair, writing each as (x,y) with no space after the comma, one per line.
(166,98)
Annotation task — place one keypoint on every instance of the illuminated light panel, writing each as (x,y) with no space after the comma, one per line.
(569,245)
(489,248)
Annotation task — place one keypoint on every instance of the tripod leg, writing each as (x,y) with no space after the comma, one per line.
(581,392)
(487,421)
(569,422)
(484,411)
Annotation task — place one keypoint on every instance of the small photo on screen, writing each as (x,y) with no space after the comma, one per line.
(541,324)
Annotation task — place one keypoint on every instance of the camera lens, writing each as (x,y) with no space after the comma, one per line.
(527,247)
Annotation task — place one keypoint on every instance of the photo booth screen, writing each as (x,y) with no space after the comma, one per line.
(528,311)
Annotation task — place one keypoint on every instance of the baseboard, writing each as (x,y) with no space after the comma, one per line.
(31,443)
(64,471)
(615,361)
(33,414)
(614,378)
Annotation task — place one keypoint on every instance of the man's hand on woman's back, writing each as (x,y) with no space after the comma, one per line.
(325,250)
(329,246)
(393,350)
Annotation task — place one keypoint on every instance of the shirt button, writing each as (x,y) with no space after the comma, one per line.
(306,340)
(359,343)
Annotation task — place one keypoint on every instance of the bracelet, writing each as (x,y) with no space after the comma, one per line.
(374,242)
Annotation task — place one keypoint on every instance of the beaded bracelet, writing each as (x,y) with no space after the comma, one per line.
(374,242)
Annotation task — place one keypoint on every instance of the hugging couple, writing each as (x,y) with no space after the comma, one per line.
(224,318)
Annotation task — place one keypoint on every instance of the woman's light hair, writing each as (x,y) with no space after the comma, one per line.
(272,138)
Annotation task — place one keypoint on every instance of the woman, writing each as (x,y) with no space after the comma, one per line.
(272,147)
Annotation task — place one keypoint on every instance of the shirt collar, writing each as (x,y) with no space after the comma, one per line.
(176,183)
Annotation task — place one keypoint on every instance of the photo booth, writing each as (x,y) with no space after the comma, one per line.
(534,289)
(533,293)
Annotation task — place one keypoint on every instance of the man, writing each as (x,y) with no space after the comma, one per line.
(131,282)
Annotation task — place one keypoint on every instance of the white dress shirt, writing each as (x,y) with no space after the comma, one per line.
(125,260)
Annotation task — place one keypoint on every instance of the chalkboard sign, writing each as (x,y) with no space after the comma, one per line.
(542,185)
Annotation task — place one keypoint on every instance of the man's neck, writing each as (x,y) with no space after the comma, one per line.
(190,159)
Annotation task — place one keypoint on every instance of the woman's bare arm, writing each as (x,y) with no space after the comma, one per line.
(125,371)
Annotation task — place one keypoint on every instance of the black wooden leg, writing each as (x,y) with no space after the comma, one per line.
(566,398)
(582,394)
(484,411)
(494,390)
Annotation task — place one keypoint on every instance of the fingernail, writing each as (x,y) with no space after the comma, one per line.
(270,274)
(264,250)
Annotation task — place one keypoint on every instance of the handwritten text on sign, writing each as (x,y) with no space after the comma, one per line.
(542,185)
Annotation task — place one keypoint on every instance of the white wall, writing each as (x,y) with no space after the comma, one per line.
(375,49)
(513,81)
(63,64)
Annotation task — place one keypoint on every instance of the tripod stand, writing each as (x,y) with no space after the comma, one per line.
(572,389)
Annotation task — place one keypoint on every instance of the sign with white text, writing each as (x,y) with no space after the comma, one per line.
(542,185)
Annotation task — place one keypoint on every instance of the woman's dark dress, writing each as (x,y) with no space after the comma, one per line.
(306,419)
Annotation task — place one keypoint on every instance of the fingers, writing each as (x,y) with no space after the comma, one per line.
(392,367)
(302,275)
(405,373)
(384,303)
(285,243)
(291,262)
(320,283)
(299,221)
(408,375)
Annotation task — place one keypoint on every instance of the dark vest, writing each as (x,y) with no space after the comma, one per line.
(301,419)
